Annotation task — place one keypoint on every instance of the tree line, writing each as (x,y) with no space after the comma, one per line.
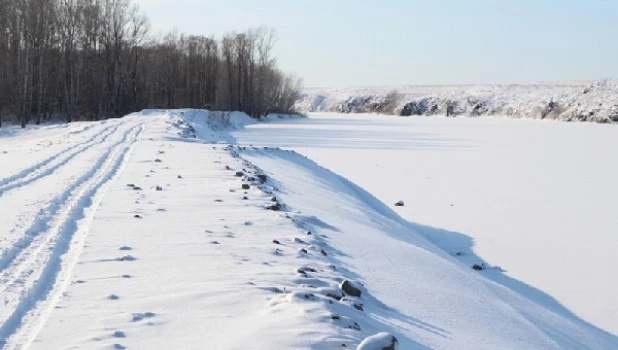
(95,59)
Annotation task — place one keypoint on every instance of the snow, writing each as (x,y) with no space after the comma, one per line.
(378,341)
(137,232)
(594,101)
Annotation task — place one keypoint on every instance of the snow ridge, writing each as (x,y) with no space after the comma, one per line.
(595,101)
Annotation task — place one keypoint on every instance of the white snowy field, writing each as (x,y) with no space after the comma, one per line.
(165,229)
(537,198)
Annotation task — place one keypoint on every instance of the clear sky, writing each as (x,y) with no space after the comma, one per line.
(403,42)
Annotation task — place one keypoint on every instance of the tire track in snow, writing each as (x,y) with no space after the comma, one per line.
(45,217)
(29,315)
(48,166)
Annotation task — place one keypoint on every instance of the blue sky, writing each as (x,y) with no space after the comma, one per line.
(403,42)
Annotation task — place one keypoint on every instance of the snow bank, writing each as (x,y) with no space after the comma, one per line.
(379,341)
(579,101)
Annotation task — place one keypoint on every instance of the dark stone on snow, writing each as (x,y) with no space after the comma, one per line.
(357,327)
(276,241)
(323,252)
(308,233)
(275,207)
(350,289)
(245,186)
(262,177)
(358,307)
(137,216)
(303,270)
(393,345)
(159,188)
(399,204)
(137,188)
(334,296)
(157,160)
(180,176)
(274,199)
(335,317)
(303,250)
(239,174)
(478,267)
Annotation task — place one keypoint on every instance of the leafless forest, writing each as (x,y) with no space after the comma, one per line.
(95,59)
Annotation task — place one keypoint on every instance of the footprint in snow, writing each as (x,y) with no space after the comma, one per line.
(120,334)
(127,258)
(140,316)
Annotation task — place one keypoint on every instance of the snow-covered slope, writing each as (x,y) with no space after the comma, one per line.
(158,230)
(578,101)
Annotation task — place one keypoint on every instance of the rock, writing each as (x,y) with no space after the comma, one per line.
(245,186)
(273,199)
(303,250)
(275,207)
(137,216)
(305,269)
(380,341)
(276,241)
(158,160)
(399,204)
(159,188)
(350,289)
(334,296)
(358,307)
(478,267)
(179,177)
(239,174)
(323,252)
(262,177)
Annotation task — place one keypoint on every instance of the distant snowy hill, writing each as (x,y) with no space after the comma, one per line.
(595,101)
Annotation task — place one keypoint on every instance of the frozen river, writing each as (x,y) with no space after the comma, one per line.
(536,198)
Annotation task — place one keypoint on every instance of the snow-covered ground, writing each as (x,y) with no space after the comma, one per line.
(593,101)
(536,198)
(163,230)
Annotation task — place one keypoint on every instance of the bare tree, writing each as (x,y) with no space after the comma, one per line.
(88,59)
